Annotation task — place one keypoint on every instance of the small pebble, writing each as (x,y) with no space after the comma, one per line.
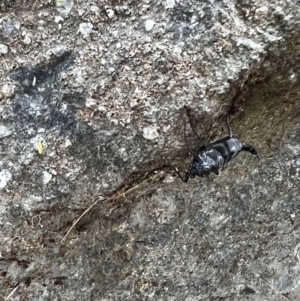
(59,50)
(149,25)
(3,49)
(58,19)
(170,3)
(27,40)
(64,7)
(4,131)
(95,9)
(296,163)
(110,13)
(46,178)
(85,29)
(8,89)
(90,102)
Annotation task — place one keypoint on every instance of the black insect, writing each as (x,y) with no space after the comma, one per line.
(212,157)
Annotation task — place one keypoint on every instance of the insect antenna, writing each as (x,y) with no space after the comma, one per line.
(228,125)
(186,143)
(230,111)
(186,178)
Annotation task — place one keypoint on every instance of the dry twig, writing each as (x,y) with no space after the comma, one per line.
(11,293)
(120,193)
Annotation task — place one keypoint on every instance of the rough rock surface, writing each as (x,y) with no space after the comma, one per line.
(91,112)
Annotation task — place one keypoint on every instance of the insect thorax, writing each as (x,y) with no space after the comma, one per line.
(201,165)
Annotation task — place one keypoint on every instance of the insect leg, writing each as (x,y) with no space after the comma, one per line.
(250,149)
(215,171)
(184,179)
(194,131)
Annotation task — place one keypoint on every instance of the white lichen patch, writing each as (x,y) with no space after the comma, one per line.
(150,133)
(4,131)
(46,177)
(31,202)
(5,176)
(8,89)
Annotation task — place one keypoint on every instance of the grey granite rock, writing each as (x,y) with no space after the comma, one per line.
(91,108)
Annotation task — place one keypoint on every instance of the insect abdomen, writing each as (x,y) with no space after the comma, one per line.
(224,150)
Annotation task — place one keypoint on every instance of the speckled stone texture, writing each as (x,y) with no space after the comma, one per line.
(92,97)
